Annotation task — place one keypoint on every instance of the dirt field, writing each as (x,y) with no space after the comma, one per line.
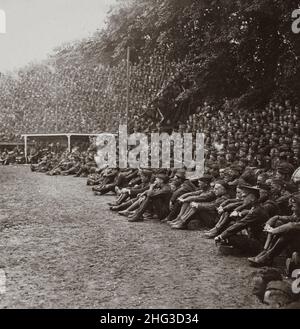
(62,248)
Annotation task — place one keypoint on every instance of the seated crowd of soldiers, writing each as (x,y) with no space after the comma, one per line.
(248,198)
(12,156)
(243,207)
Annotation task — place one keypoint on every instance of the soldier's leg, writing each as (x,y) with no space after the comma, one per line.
(174,212)
(105,189)
(221,225)
(185,207)
(185,218)
(279,245)
(207,218)
(124,205)
(122,198)
(131,207)
(145,205)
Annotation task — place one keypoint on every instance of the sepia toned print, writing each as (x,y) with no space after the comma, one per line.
(149,156)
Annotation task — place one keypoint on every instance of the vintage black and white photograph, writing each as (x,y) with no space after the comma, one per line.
(149,155)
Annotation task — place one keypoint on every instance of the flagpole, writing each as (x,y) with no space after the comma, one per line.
(128,83)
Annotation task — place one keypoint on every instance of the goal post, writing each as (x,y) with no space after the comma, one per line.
(49,137)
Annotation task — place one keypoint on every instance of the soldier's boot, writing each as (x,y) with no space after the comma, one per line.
(132,213)
(135,219)
(219,227)
(172,214)
(122,198)
(181,224)
(103,190)
(175,221)
(114,208)
(138,216)
(96,188)
(78,174)
(266,259)
(165,220)
(125,213)
(256,258)
(184,220)
(118,208)
(212,233)
(168,219)
(123,205)
(149,215)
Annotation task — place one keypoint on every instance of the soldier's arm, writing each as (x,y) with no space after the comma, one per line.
(227,202)
(245,222)
(187,195)
(160,192)
(135,191)
(204,197)
(286,228)
(282,219)
(232,206)
(272,220)
(247,204)
(209,206)
(206,206)
(179,193)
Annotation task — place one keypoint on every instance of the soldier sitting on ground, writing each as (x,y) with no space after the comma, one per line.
(121,179)
(232,209)
(156,200)
(283,233)
(205,212)
(189,188)
(204,192)
(132,193)
(252,222)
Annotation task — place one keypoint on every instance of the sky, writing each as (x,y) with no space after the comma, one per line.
(35,27)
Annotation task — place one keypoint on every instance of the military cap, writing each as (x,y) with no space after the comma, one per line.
(265,187)
(206,178)
(223,183)
(163,177)
(237,168)
(285,168)
(180,174)
(249,188)
(146,172)
(236,182)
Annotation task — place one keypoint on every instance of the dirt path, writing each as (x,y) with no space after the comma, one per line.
(60,247)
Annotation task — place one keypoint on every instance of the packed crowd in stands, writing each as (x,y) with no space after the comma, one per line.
(64,97)
(248,198)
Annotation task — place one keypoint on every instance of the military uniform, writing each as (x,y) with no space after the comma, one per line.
(175,205)
(253,222)
(286,235)
(228,206)
(156,201)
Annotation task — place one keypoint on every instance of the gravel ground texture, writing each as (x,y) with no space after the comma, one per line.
(61,247)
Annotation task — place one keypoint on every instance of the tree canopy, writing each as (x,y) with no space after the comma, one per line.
(241,52)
